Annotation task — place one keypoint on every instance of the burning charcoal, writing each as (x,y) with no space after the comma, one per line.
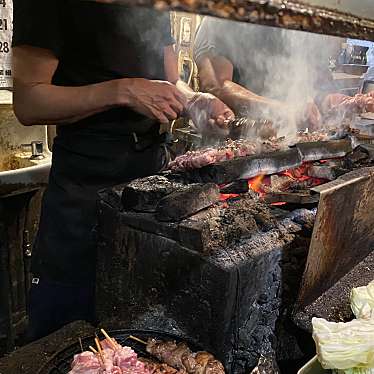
(144,194)
(325,172)
(280,182)
(236,187)
(184,203)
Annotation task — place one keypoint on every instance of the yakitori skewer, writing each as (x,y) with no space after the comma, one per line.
(137,339)
(110,340)
(100,351)
(80,343)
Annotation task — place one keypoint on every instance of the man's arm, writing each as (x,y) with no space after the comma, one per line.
(38,101)
(216,75)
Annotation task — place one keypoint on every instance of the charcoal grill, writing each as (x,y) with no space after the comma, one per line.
(60,362)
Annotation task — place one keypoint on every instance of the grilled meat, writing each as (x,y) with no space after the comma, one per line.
(159,368)
(181,357)
(315,136)
(240,148)
(198,159)
(357,104)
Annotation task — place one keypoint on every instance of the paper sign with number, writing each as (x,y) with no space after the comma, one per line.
(6,29)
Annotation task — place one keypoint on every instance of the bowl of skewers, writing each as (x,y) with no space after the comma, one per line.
(133,352)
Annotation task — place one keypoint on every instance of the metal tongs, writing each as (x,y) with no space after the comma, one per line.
(251,128)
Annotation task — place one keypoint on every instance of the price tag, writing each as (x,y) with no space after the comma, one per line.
(6,30)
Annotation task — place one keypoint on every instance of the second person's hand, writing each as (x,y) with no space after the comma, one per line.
(209,114)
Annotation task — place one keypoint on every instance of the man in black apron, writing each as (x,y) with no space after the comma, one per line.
(99,72)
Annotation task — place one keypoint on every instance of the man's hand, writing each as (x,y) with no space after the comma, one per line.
(209,114)
(159,100)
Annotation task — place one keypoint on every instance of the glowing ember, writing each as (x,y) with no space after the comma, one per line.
(226,196)
(299,173)
(297,178)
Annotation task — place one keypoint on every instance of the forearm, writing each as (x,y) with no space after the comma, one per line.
(241,100)
(49,104)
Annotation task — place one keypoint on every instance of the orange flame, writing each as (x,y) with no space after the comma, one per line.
(255,183)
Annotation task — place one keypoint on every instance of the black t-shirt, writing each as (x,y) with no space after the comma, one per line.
(97,42)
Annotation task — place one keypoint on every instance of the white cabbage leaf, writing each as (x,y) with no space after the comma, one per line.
(344,345)
(362,301)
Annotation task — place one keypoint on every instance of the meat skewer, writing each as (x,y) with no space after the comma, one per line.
(160,368)
(109,358)
(107,337)
(207,156)
(180,357)
(356,104)
(100,353)
(113,358)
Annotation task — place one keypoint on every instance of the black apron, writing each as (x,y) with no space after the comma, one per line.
(64,256)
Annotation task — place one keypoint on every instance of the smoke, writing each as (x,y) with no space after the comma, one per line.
(286,65)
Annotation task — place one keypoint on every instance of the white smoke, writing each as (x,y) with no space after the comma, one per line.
(294,63)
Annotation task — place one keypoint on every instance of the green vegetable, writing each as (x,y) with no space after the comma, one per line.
(362,301)
(344,345)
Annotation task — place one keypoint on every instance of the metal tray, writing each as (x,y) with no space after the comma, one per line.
(61,361)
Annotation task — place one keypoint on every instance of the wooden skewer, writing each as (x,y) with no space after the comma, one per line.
(93,350)
(137,339)
(80,343)
(99,349)
(110,340)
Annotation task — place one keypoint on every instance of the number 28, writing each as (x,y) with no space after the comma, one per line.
(4,47)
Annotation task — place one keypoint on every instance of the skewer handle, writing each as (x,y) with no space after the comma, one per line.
(137,339)
(80,343)
(110,340)
(93,350)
